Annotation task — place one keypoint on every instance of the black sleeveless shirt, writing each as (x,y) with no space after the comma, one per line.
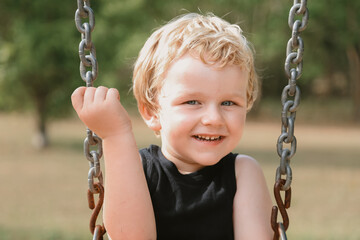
(194,206)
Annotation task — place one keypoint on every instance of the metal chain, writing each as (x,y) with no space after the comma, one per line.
(290,100)
(84,11)
(89,72)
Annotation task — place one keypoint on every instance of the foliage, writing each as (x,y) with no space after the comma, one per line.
(41,52)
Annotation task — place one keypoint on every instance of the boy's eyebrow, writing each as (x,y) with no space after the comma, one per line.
(196,94)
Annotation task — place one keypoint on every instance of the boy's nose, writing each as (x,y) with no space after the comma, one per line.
(212,116)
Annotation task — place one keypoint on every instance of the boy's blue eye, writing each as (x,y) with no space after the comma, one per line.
(227,103)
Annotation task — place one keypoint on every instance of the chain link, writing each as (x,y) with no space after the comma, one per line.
(86,61)
(89,73)
(290,100)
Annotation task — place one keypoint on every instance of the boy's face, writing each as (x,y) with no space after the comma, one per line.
(202,112)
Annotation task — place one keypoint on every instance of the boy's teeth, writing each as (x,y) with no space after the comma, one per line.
(207,138)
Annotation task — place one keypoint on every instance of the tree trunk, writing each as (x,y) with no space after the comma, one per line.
(40,139)
(353,55)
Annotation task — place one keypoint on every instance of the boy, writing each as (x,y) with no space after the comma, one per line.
(194,81)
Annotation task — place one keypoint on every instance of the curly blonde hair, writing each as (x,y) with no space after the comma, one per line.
(211,38)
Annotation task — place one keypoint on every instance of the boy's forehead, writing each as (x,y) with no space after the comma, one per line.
(189,72)
(192,63)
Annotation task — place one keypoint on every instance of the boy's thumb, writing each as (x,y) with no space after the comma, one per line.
(77,98)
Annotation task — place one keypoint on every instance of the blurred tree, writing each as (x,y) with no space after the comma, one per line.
(40,63)
(334,39)
(332,48)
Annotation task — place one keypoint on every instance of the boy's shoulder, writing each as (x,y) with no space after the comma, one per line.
(242,159)
(247,167)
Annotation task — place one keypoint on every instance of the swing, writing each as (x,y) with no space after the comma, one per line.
(93,156)
(290,100)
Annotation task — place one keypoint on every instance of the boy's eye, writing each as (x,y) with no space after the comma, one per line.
(227,103)
(192,102)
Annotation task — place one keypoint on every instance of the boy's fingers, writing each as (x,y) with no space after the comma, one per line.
(77,98)
(89,95)
(113,94)
(100,93)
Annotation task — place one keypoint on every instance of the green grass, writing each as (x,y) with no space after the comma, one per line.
(43,193)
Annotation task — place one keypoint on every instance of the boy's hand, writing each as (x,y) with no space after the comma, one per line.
(101,111)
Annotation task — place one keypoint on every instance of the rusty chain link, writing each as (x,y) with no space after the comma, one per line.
(290,99)
(88,73)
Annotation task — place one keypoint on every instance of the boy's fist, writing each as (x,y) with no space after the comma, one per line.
(101,111)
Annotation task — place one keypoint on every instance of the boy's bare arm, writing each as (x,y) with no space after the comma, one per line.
(252,202)
(128,211)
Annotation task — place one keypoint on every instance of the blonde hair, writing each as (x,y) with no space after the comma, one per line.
(211,38)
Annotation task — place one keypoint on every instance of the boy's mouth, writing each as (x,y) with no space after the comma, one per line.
(208,138)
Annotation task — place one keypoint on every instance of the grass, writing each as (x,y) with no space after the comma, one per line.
(43,193)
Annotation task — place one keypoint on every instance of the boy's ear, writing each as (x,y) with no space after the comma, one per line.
(151,119)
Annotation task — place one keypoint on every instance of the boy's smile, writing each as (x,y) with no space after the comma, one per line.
(202,111)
